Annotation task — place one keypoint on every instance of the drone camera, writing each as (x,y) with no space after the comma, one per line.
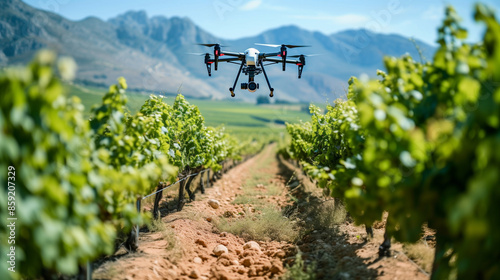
(253,86)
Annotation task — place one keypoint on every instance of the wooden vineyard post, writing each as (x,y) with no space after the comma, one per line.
(208,178)
(89,270)
(132,242)
(191,194)
(158,197)
(180,203)
(202,184)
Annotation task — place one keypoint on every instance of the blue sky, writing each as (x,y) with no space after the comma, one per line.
(231,19)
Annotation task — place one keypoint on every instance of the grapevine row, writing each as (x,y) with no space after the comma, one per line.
(77,180)
(420,142)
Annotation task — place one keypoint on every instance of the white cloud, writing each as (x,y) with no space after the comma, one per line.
(347,19)
(251,5)
(433,13)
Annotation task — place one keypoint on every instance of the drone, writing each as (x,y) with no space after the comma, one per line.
(252,63)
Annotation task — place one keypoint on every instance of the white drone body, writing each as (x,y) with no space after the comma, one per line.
(252,56)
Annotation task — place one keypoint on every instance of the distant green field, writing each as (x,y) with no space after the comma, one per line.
(239,118)
(91,96)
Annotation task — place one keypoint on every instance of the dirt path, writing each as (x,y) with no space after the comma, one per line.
(254,241)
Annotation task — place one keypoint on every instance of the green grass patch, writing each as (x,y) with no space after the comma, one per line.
(253,195)
(420,253)
(329,214)
(157,225)
(91,96)
(248,199)
(257,187)
(267,225)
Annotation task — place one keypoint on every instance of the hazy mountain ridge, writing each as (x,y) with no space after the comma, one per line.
(152,52)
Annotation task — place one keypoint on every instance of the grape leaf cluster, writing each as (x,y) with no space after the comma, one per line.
(420,142)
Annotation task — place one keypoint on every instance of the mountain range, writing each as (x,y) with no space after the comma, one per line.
(152,53)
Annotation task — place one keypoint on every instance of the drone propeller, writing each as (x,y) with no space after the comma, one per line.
(268,45)
(211,45)
(288,46)
(200,54)
(304,55)
(296,46)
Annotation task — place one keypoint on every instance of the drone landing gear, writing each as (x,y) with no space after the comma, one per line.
(231,89)
(267,80)
(209,65)
(300,70)
(209,69)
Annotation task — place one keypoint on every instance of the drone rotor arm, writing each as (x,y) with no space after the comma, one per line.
(229,59)
(237,54)
(265,55)
(275,59)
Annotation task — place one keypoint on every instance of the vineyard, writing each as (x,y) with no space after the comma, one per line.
(415,148)
(76,182)
(419,143)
